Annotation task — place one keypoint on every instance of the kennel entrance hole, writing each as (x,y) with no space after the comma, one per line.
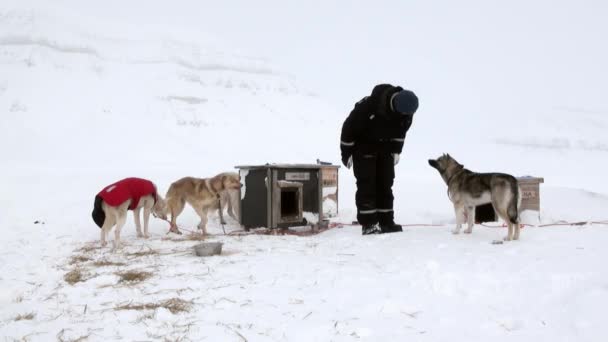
(289,203)
(485,213)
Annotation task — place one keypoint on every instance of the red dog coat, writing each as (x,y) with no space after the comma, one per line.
(127,189)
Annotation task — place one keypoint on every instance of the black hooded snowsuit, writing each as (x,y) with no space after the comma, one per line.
(372,134)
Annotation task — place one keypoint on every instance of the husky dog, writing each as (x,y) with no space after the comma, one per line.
(113,202)
(467,189)
(201,193)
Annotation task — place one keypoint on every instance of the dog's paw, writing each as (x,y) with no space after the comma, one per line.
(468,231)
(140,235)
(104,243)
(507,238)
(146,236)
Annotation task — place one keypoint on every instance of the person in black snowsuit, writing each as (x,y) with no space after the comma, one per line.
(371,142)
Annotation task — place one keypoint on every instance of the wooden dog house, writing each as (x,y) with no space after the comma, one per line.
(530,200)
(286,195)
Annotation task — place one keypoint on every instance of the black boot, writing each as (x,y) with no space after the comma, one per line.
(370,229)
(391,228)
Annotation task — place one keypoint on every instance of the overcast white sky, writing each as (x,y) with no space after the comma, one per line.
(486,55)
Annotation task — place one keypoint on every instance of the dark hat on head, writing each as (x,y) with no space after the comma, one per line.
(404,102)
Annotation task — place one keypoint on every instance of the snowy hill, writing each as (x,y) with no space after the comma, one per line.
(83,80)
(91,93)
(79,102)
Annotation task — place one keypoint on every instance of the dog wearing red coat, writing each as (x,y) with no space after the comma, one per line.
(113,202)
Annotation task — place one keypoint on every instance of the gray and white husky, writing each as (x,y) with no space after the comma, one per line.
(467,189)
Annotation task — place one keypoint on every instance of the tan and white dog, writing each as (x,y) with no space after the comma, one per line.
(113,202)
(201,194)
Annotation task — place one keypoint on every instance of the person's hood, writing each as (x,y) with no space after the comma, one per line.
(381,95)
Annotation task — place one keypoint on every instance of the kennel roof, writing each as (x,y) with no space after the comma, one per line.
(287,166)
(530,179)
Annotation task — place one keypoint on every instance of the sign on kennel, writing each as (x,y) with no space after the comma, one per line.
(286,195)
(530,200)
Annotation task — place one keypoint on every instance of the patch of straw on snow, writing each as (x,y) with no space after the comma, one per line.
(132,277)
(79,259)
(189,237)
(143,253)
(174,305)
(27,317)
(89,248)
(104,263)
(74,276)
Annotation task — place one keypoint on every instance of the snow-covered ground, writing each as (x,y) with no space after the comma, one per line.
(421,285)
(90,94)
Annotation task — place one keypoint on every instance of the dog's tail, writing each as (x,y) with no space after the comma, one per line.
(99,216)
(513,210)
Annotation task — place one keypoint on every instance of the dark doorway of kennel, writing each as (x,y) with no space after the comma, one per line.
(485,213)
(288,203)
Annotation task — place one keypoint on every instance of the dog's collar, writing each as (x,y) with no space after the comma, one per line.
(454,175)
(449,180)
(211,189)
